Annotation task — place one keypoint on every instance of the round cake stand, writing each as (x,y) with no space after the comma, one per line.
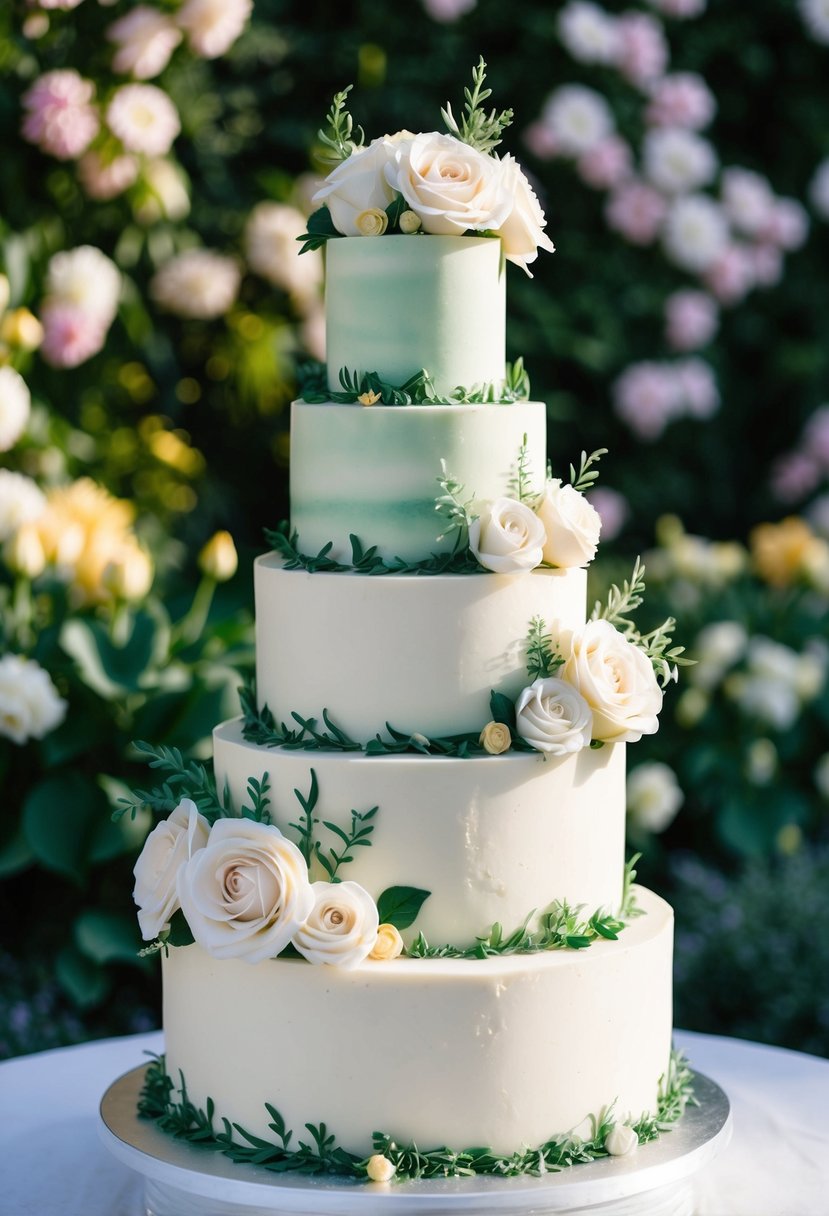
(183,1180)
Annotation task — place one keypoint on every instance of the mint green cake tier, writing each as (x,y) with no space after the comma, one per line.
(398,304)
(373,470)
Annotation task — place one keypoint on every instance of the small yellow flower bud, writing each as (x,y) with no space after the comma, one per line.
(218,559)
(21,328)
(389,943)
(129,575)
(495,738)
(369,398)
(5,292)
(380,1169)
(409,221)
(372,222)
(24,552)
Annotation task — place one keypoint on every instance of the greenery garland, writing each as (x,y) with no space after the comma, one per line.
(321,1155)
(369,388)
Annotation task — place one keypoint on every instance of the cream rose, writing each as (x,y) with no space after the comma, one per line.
(553,717)
(389,943)
(495,738)
(507,536)
(341,927)
(372,222)
(380,1169)
(617,680)
(359,184)
(522,233)
(451,186)
(169,846)
(572,525)
(247,892)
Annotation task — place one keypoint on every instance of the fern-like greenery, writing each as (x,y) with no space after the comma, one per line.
(586,475)
(656,645)
(338,137)
(182,780)
(477,128)
(542,660)
(359,835)
(417,390)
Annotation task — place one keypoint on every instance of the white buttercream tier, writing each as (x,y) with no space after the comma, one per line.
(504,1052)
(493,838)
(398,305)
(420,652)
(373,471)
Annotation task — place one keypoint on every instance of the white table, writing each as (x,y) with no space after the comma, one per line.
(53,1164)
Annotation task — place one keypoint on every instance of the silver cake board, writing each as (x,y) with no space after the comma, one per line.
(657,1179)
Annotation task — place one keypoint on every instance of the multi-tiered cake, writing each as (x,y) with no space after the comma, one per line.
(411,912)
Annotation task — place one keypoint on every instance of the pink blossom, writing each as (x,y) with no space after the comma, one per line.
(788,224)
(71,335)
(691,319)
(766,264)
(682,9)
(613,508)
(542,141)
(647,397)
(731,275)
(447,11)
(212,26)
(794,476)
(747,198)
(816,436)
(642,53)
(681,100)
(106,179)
(60,118)
(145,39)
(143,118)
(58,4)
(697,387)
(606,164)
(636,211)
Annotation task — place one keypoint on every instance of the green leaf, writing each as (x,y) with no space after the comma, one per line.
(502,709)
(399,906)
(15,855)
(108,937)
(85,981)
(180,933)
(109,668)
(61,816)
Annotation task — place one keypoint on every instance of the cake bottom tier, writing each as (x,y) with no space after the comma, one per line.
(504,1052)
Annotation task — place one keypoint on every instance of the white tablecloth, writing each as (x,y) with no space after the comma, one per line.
(53,1164)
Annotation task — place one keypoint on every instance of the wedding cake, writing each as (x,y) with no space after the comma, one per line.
(403,910)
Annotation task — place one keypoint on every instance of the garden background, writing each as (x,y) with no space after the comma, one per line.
(158,163)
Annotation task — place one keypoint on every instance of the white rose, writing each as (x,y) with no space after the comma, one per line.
(554,717)
(29,703)
(359,184)
(15,403)
(247,892)
(572,525)
(617,680)
(451,186)
(21,502)
(507,536)
(168,847)
(522,234)
(653,796)
(341,928)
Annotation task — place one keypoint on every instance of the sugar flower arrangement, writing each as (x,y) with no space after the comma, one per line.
(441,184)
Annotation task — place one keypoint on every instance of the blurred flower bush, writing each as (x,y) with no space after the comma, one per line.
(153,313)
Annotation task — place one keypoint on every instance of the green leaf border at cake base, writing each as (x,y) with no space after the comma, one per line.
(320,1154)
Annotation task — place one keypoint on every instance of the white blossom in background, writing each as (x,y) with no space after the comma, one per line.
(695,233)
(697,388)
(815,16)
(587,32)
(642,53)
(15,406)
(312,331)
(30,705)
(821,774)
(795,475)
(681,9)
(198,283)
(578,118)
(762,761)
(647,397)
(272,250)
(21,501)
(778,681)
(144,118)
(788,225)
(747,199)
(86,279)
(145,39)
(447,11)
(766,264)
(678,161)
(70,335)
(212,26)
(719,646)
(681,100)
(636,211)
(819,190)
(104,179)
(653,796)
(607,164)
(691,319)
(816,436)
(731,276)
(66,5)
(59,115)
(165,194)
(613,509)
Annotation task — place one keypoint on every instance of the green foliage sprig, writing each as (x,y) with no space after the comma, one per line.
(586,475)
(305,828)
(260,801)
(323,1155)
(519,485)
(457,560)
(320,229)
(656,645)
(338,136)
(542,660)
(450,504)
(419,389)
(183,780)
(358,836)
(477,128)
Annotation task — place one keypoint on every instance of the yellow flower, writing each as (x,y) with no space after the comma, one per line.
(495,738)
(369,398)
(784,552)
(372,222)
(389,943)
(380,1169)
(409,221)
(129,575)
(21,328)
(23,552)
(83,529)
(218,559)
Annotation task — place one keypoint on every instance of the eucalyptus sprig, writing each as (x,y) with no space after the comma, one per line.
(359,836)
(620,603)
(586,475)
(520,483)
(656,645)
(338,135)
(477,128)
(542,660)
(258,792)
(450,504)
